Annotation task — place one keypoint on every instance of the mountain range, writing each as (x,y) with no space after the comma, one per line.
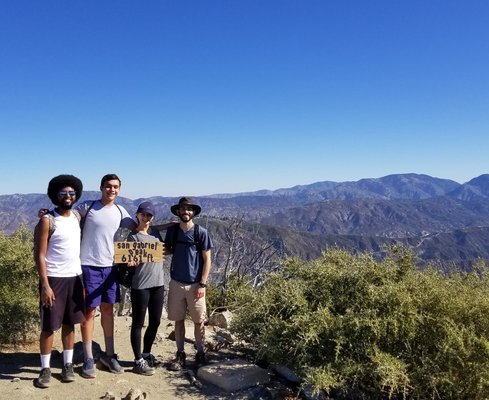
(439,219)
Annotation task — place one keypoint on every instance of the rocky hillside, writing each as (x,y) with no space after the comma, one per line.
(439,218)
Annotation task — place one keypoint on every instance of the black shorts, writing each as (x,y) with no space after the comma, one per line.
(69,304)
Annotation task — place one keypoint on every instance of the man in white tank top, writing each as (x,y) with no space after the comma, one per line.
(57,258)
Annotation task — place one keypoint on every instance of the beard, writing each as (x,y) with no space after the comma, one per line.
(65,206)
(185,218)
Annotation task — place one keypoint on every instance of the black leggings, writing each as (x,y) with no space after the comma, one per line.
(141,300)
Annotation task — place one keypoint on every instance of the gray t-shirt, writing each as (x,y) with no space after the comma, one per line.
(101,224)
(151,274)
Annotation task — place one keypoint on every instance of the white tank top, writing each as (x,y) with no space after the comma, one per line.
(63,253)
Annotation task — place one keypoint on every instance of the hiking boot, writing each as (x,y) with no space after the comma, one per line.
(44,379)
(88,369)
(111,363)
(141,367)
(152,361)
(67,373)
(200,358)
(179,362)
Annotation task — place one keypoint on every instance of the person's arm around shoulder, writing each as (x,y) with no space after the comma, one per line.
(128,223)
(163,227)
(82,208)
(47,294)
(126,220)
(168,241)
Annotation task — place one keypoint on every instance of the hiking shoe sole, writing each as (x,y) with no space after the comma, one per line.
(87,375)
(145,372)
(112,364)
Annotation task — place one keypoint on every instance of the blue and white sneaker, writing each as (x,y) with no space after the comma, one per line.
(88,369)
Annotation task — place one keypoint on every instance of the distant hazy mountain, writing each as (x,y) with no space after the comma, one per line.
(393,187)
(438,218)
(400,186)
(388,218)
(475,190)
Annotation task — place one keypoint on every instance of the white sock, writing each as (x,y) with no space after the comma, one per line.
(67,356)
(45,360)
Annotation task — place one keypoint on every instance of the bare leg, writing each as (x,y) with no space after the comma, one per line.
(199,334)
(46,342)
(107,321)
(180,334)
(87,332)
(68,337)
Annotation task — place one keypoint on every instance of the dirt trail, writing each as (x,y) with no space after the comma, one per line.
(19,368)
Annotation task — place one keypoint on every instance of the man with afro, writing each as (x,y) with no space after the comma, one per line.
(60,282)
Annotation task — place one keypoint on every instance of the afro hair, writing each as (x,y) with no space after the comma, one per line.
(61,181)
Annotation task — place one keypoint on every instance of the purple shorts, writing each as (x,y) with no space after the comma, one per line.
(100,285)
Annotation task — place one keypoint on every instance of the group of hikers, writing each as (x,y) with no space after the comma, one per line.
(74,254)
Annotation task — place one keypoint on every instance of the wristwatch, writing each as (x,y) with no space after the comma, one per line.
(202,285)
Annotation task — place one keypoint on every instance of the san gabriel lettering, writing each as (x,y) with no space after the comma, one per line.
(140,252)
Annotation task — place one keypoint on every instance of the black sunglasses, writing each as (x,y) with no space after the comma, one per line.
(63,193)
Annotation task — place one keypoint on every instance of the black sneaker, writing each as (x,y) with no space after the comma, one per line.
(142,368)
(152,360)
(200,358)
(179,361)
(44,379)
(67,373)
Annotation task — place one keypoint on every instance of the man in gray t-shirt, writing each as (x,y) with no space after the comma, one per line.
(102,218)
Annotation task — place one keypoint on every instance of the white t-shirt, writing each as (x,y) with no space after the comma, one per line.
(101,224)
(63,252)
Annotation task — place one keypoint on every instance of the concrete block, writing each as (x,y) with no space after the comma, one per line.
(233,375)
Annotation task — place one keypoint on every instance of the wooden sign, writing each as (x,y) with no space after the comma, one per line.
(140,252)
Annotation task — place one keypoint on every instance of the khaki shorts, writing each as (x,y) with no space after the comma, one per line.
(182,297)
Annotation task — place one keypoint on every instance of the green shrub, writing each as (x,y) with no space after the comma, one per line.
(374,329)
(217,296)
(19,301)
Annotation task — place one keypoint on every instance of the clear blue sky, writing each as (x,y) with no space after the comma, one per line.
(221,96)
